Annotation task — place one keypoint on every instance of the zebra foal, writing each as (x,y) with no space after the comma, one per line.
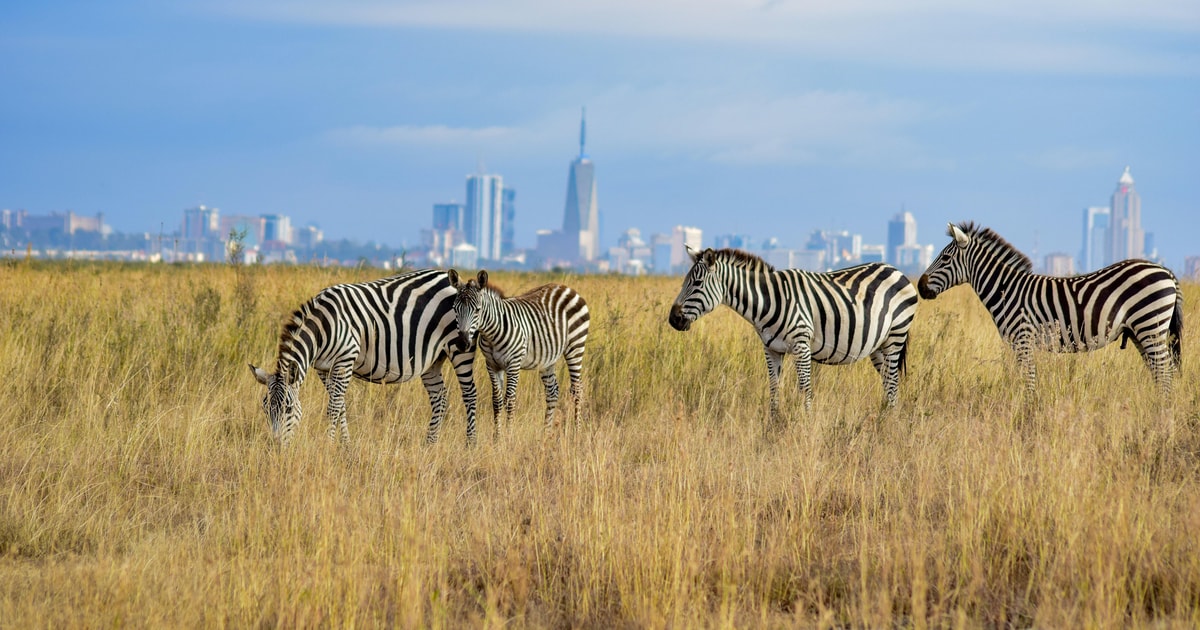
(384,331)
(531,331)
(834,318)
(1133,300)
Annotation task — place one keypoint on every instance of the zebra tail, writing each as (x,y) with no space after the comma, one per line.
(1177,331)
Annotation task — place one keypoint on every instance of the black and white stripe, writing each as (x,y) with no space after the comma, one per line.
(385,331)
(834,318)
(531,331)
(1133,299)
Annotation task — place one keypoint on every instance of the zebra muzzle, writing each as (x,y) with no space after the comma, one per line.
(677,320)
(923,288)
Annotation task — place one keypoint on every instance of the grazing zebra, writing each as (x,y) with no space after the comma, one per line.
(384,331)
(1132,299)
(833,318)
(531,331)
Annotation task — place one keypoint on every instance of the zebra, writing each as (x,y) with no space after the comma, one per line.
(531,331)
(384,331)
(834,318)
(1133,299)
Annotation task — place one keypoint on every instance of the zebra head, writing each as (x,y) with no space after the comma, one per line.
(701,291)
(949,269)
(281,402)
(466,306)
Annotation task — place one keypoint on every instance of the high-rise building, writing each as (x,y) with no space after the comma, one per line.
(201,223)
(508,214)
(1094,253)
(277,227)
(684,238)
(1058,264)
(581,217)
(902,231)
(448,216)
(483,214)
(1126,222)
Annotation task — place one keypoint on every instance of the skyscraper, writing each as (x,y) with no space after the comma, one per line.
(1126,238)
(581,217)
(483,214)
(1094,253)
(508,206)
(902,230)
(448,216)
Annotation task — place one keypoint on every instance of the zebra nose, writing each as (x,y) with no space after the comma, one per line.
(676,318)
(923,288)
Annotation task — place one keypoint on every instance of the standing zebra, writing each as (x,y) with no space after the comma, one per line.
(384,331)
(531,331)
(1131,299)
(833,318)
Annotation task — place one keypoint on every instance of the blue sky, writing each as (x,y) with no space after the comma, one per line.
(763,118)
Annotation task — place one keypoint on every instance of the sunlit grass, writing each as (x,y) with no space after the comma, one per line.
(140,487)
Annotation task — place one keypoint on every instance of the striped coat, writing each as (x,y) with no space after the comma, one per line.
(834,318)
(1132,300)
(532,331)
(389,330)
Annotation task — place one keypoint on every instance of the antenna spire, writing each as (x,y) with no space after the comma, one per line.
(582,131)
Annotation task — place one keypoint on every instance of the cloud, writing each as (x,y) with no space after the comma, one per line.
(1067,36)
(697,123)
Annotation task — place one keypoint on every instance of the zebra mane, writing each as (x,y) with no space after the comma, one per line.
(291,327)
(1009,254)
(490,286)
(742,259)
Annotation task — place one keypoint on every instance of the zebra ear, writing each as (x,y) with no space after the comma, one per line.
(707,256)
(960,236)
(260,374)
(482,278)
(453,276)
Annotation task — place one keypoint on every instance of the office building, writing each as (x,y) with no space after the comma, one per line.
(1095,251)
(581,217)
(483,214)
(1125,225)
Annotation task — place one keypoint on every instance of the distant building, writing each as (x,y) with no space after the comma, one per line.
(201,222)
(277,227)
(464,256)
(508,220)
(841,248)
(1096,246)
(579,241)
(913,259)
(1126,222)
(873,253)
(682,239)
(902,231)
(308,236)
(1191,268)
(733,241)
(448,216)
(255,229)
(1059,264)
(484,214)
(660,245)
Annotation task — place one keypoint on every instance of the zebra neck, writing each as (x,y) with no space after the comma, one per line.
(992,284)
(295,358)
(492,312)
(747,292)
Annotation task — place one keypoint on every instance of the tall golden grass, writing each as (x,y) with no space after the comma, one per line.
(139,486)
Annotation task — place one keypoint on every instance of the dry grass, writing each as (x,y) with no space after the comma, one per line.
(138,485)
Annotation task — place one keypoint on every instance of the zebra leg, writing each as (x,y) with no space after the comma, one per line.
(804,371)
(550,382)
(774,361)
(511,375)
(888,366)
(575,371)
(435,387)
(1156,353)
(1023,348)
(336,381)
(464,371)
(497,379)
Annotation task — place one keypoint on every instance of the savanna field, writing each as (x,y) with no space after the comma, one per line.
(139,485)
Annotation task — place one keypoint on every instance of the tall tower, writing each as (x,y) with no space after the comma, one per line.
(902,231)
(1125,225)
(1095,239)
(483,214)
(581,217)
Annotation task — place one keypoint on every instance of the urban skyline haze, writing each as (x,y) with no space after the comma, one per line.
(768,119)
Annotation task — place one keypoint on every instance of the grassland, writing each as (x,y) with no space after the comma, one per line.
(139,486)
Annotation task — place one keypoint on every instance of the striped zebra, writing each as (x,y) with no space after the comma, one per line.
(834,318)
(384,331)
(1132,299)
(531,331)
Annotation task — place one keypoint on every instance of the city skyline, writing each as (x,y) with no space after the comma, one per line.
(742,119)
